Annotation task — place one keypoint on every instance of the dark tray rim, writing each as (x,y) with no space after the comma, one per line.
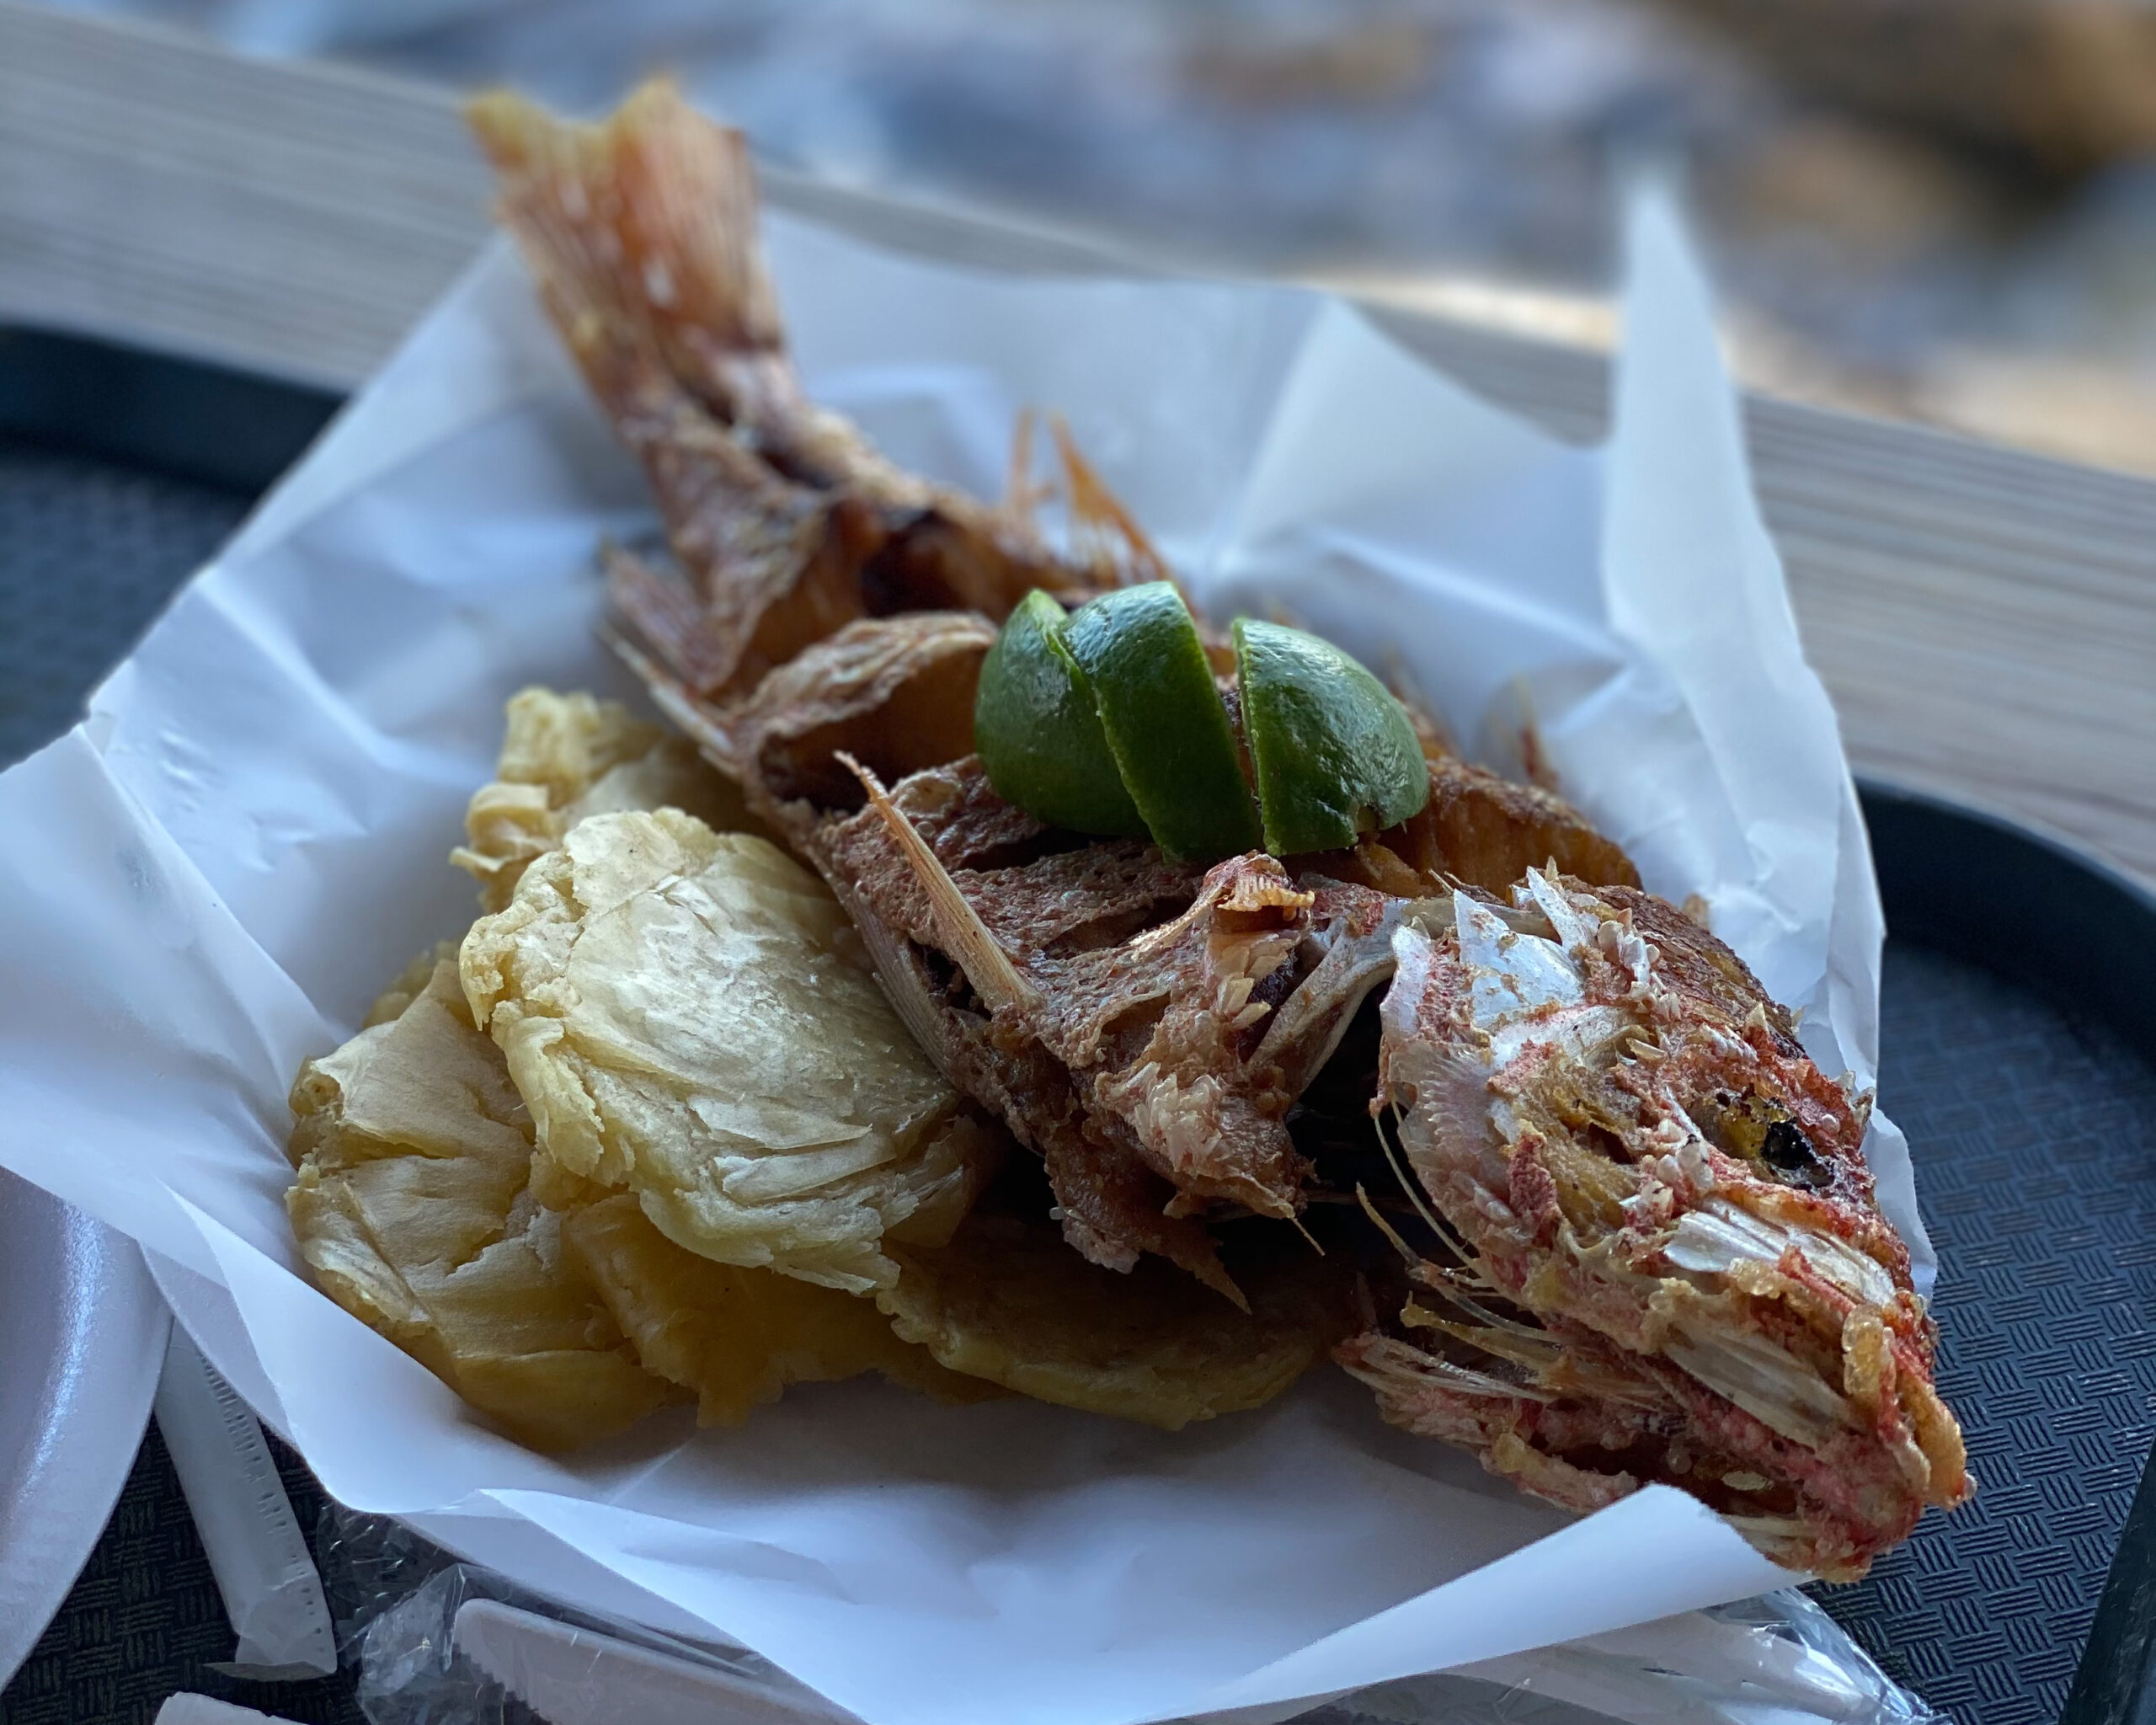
(2045,916)
(2080,937)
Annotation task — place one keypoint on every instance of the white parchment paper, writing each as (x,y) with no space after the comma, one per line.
(208,881)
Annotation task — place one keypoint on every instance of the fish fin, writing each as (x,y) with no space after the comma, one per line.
(642,233)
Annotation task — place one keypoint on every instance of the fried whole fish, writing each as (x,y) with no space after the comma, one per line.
(1651,1242)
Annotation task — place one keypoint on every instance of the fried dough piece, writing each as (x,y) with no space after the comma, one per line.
(738,1338)
(1008,1300)
(412,1211)
(566,756)
(689,1016)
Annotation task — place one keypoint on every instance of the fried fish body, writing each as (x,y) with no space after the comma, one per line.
(825,602)
(1658,1257)
(1666,1262)
(689,1016)
(1145,1027)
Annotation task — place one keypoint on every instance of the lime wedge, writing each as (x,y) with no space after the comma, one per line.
(1335,755)
(1166,722)
(1038,734)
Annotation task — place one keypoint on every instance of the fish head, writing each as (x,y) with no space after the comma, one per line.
(1639,1182)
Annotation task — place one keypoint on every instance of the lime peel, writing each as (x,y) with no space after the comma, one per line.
(1334,754)
(1108,720)
(1165,722)
(1038,732)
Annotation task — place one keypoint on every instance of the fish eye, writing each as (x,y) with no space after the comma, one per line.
(1790,1156)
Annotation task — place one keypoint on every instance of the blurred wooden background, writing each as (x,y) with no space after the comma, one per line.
(1985,620)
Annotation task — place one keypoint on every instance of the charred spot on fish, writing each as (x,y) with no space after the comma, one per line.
(1282,979)
(929,562)
(1790,1156)
(1269,991)
(807,770)
(1759,1130)
(944,980)
(1330,1123)
(908,571)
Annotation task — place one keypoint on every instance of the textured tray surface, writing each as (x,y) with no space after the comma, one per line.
(89,551)
(2036,1147)
(2036,1152)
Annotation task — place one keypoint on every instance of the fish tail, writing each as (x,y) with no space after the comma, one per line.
(640,232)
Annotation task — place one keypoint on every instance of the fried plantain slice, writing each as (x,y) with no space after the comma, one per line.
(1008,1300)
(738,1338)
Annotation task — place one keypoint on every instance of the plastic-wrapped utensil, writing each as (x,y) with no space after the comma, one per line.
(439,1643)
(257,1554)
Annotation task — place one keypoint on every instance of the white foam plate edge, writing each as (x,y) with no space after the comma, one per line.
(83,1336)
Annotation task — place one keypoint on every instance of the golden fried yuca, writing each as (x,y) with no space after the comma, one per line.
(1008,1300)
(411,1210)
(738,1337)
(410,982)
(565,757)
(689,1016)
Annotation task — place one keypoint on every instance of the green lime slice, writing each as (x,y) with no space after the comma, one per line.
(1038,734)
(1334,754)
(1166,722)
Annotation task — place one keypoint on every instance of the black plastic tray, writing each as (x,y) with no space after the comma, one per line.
(2019,1043)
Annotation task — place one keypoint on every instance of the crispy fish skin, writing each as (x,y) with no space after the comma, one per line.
(1484,831)
(1114,1207)
(825,604)
(787,524)
(1667,1263)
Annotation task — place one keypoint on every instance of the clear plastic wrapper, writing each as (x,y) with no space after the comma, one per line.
(397,1601)
(403,1614)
